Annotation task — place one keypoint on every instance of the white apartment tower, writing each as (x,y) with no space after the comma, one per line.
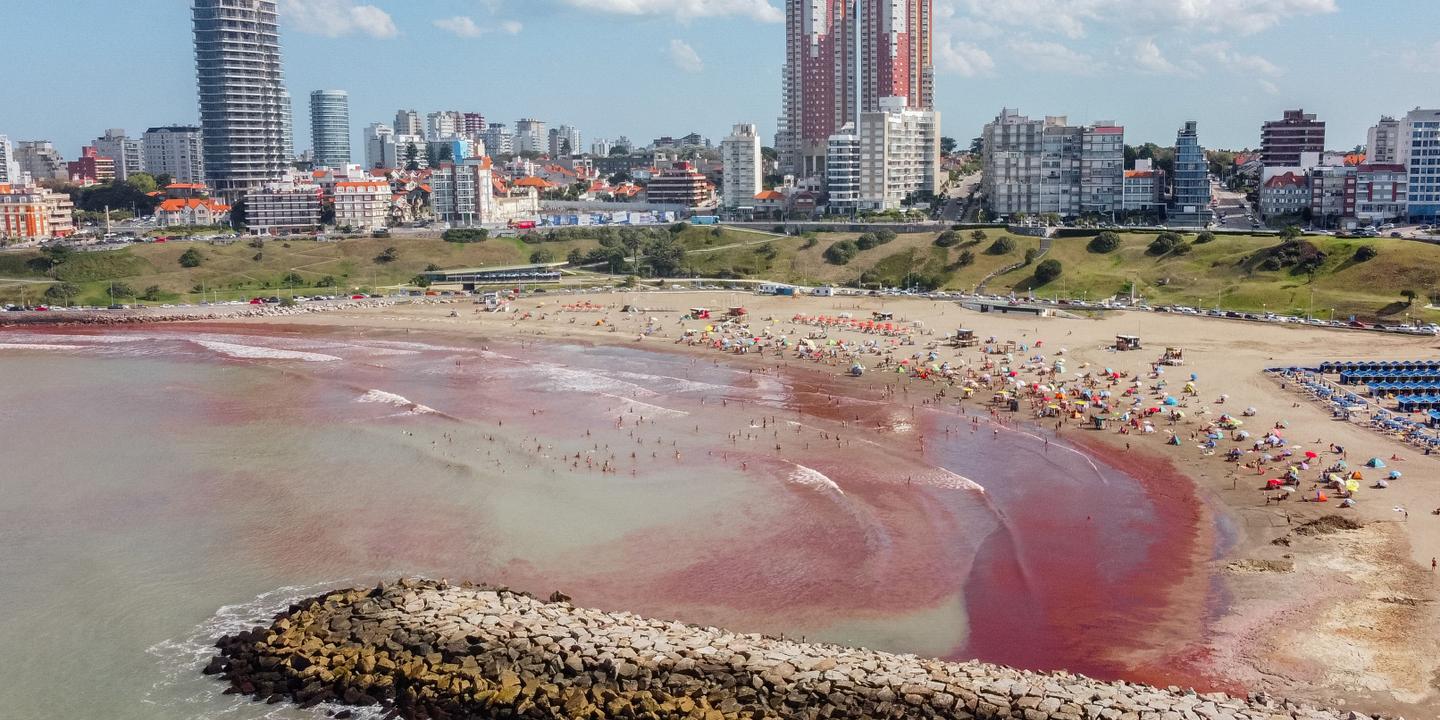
(842,171)
(380,149)
(530,136)
(9,170)
(125,151)
(175,150)
(1051,166)
(740,155)
(244,107)
(899,154)
(407,122)
(1420,153)
(1382,142)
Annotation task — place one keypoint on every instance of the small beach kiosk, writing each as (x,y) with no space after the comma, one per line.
(1125,343)
(966,338)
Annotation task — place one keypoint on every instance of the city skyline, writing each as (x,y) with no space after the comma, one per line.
(722,58)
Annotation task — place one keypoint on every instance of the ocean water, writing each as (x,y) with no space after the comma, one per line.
(160,487)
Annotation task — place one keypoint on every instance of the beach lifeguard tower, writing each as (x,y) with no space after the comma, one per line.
(966,338)
(1125,343)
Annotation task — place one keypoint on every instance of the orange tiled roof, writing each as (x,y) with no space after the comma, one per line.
(1139,173)
(371,184)
(1355,159)
(535,182)
(178,204)
(1287,179)
(769,195)
(185,186)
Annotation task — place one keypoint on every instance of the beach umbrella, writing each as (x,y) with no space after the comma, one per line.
(1375,462)
(1394,474)
(1352,485)
(1311,454)
(1381,484)
(1243,435)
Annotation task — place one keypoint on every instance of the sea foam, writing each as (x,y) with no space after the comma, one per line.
(250,352)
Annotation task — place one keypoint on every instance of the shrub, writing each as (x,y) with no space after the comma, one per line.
(465,235)
(389,255)
(1030,255)
(1182,248)
(978,236)
(1205,237)
(543,255)
(190,258)
(1048,270)
(842,252)
(885,236)
(1002,246)
(1105,242)
(967,258)
(1164,243)
(867,241)
(1365,253)
(949,238)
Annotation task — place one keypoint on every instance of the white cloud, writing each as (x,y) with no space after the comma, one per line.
(684,57)
(962,58)
(1222,56)
(684,10)
(337,18)
(466,27)
(1052,57)
(1269,87)
(1072,18)
(1149,58)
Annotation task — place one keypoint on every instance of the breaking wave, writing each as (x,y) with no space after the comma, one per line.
(250,352)
(400,401)
(812,478)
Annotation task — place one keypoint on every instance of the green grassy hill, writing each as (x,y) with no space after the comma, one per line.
(1230,271)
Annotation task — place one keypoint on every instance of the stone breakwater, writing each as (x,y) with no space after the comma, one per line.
(139,317)
(424,649)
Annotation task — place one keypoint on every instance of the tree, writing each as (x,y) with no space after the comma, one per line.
(977,146)
(1030,255)
(666,256)
(542,255)
(420,281)
(1364,253)
(292,279)
(1409,296)
(1164,244)
(1002,246)
(121,290)
(947,145)
(144,182)
(1047,271)
(1290,232)
(967,258)
(1105,242)
(152,293)
(190,258)
(842,252)
(389,255)
(575,257)
(62,292)
(412,157)
(1205,237)
(239,214)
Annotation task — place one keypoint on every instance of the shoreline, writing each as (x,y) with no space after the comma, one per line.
(1256,641)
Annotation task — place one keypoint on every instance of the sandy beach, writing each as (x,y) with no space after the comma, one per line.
(1343,617)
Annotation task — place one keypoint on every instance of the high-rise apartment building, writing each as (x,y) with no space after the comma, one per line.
(330,127)
(175,150)
(444,125)
(842,171)
(530,136)
(244,107)
(899,155)
(1382,142)
(407,122)
(125,152)
(30,212)
(818,81)
(1050,166)
(9,169)
(90,168)
(1420,153)
(564,141)
(740,157)
(475,125)
(896,58)
(499,140)
(380,148)
(1190,201)
(1283,141)
(40,160)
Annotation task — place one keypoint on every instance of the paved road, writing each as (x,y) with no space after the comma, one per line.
(1233,208)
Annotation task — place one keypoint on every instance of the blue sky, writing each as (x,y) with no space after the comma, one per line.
(644,68)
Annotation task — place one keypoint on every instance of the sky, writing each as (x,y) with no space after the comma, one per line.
(646,68)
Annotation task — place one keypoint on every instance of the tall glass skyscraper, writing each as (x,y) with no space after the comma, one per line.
(330,127)
(1190,204)
(244,107)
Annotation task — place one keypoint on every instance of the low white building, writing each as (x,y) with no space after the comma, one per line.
(193,211)
(363,205)
(899,154)
(284,208)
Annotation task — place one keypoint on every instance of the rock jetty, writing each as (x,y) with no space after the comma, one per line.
(426,649)
(145,316)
